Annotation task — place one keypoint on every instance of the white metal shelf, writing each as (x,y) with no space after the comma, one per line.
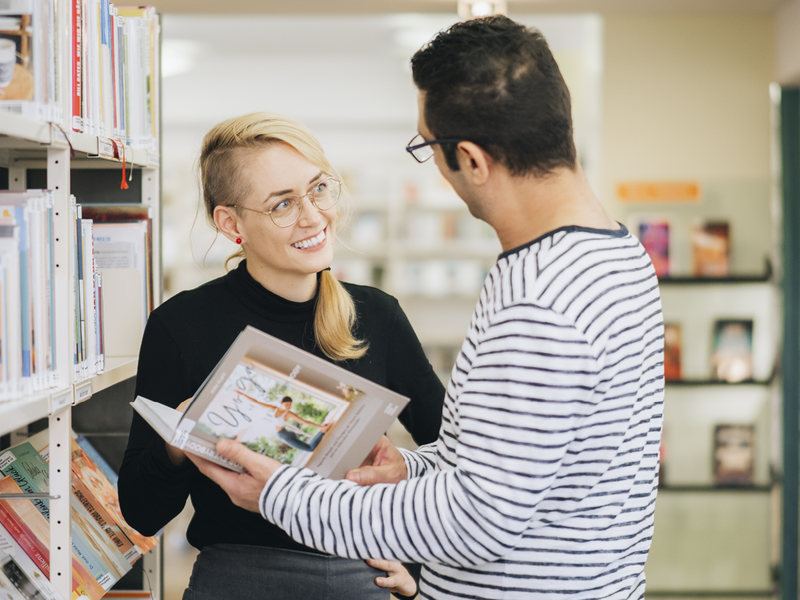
(32,139)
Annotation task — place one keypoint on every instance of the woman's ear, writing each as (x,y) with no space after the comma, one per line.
(474,162)
(228,223)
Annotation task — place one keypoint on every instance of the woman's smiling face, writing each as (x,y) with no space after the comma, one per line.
(284,256)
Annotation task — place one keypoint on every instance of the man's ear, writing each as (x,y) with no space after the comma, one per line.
(226,221)
(474,162)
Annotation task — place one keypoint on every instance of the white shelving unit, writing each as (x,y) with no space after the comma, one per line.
(24,145)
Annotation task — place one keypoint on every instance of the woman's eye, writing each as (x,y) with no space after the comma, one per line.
(321,188)
(282,205)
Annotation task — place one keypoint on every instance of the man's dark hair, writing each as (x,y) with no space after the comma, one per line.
(495,82)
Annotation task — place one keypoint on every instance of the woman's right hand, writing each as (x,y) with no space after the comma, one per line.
(176,455)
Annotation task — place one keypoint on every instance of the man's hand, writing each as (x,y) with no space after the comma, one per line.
(384,464)
(244,489)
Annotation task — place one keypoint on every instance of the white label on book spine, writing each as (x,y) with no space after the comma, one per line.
(106,581)
(181,435)
(6,459)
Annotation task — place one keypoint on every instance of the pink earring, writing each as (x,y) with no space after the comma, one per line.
(238,240)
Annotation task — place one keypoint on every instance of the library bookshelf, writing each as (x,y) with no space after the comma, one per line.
(51,155)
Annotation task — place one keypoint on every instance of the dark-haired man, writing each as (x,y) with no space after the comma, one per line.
(543,481)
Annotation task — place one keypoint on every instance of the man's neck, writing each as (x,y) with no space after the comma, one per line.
(522,209)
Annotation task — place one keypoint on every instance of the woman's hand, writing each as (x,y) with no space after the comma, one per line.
(397,580)
(176,455)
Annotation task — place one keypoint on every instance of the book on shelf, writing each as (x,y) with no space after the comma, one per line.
(23,573)
(283,402)
(32,532)
(734,455)
(732,350)
(86,286)
(94,480)
(96,538)
(27,293)
(28,85)
(114,58)
(710,242)
(654,236)
(672,351)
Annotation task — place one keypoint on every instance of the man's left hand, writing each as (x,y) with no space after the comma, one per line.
(244,489)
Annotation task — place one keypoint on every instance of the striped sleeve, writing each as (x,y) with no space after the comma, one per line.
(530,382)
(420,461)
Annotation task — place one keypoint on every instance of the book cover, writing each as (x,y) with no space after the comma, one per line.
(24,78)
(18,566)
(732,350)
(710,249)
(654,236)
(89,571)
(733,455)
(672,351)
(282,402)
(95,480)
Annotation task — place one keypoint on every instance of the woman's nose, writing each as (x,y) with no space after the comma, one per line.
(309,214)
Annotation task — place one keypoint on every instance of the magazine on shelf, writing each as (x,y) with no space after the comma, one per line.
(733,454)
(653,233)
(710,249)
(732,350)
(283,402)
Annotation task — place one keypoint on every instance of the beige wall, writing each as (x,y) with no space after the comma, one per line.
(686,98)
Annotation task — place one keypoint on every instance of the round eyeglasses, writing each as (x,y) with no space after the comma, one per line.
(287,209)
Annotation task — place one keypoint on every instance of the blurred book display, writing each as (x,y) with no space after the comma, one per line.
(710,249)
(283,402)
(733,455)
(672,351)
(654,236)
(732,350)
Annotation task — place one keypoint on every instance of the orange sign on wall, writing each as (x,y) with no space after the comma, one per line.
(658,191)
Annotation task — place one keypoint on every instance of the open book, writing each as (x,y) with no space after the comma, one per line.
(283,402)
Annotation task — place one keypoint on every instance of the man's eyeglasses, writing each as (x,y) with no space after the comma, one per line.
(286,210)
(422,151)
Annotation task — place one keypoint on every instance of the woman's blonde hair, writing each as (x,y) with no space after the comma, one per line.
(225,155)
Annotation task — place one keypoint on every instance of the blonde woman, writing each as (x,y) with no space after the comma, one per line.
(268,187)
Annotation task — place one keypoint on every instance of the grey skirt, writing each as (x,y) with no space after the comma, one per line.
(229,571)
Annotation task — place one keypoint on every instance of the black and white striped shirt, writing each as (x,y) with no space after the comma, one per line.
(543,481)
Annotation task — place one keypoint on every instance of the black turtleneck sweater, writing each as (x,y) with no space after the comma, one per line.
(185,338)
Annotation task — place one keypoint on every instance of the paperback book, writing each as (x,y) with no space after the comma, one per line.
(283,402)
(710,249)
(654,236)
(733,454)
(672,351)
(732,350)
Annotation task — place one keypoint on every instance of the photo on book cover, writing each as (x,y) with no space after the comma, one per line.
(270,414)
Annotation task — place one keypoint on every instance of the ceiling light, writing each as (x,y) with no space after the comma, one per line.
(471,9)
